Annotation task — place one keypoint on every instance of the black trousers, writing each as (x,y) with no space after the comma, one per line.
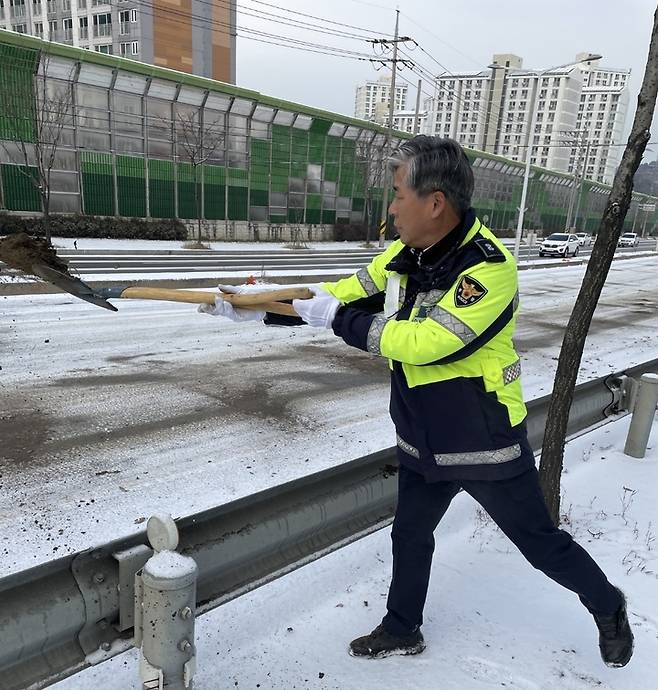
(517,506)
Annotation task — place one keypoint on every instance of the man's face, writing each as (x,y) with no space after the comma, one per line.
(415,216)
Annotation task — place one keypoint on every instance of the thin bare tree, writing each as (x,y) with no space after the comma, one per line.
(370,165)
(37,113)
(196,142)
(550,469)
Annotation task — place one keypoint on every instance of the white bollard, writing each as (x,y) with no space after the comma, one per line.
(644,412)
(165,601)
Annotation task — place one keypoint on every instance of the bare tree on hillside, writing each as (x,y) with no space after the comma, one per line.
(597,270)
(37,113)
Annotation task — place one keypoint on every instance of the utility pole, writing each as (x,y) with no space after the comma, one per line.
(391,108)
(416,123)
(580,191)
(637,208)
(577,142)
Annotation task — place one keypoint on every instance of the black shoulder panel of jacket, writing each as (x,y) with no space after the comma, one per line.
(490,251)
(445,272)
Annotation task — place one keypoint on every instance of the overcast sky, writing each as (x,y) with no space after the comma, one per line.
(461,36)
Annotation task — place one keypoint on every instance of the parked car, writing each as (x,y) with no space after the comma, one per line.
(628,239)
(584,239)
(560,244)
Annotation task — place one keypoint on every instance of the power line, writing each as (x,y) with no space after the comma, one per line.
(271,17)
(328,21)
(225,28)
(438,38)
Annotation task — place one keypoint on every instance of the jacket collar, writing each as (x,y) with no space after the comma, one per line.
(411,261)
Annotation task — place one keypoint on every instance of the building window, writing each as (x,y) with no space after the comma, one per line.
(19,28)
(52,29)
(38,29)
(124,23)
(106,49)
(67,25)
(133,16)
(102,25)
(84,27)
(18,10)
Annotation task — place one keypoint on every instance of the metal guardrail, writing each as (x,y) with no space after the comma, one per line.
(62,616)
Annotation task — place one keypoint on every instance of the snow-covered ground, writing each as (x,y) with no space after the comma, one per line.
(107,418)
(491,620)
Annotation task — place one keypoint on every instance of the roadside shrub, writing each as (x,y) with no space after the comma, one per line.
(106,227)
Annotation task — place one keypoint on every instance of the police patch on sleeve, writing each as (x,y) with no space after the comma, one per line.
(468,292)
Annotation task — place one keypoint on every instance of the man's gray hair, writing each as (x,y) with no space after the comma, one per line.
(436,164)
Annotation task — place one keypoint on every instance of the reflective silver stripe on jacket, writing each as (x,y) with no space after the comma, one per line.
(374,338)
(515,304)
(407,447)
(429,299)
(451,323)
(512,372)
(480,457)
(366,282)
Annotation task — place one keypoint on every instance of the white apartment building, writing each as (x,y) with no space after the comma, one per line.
(373,99)
(491,110)
(403,121)
(601,116)
(181,37)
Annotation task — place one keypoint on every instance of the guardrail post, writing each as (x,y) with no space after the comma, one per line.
(165,599)
(644,411)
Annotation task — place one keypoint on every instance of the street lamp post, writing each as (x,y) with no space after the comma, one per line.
(528,155)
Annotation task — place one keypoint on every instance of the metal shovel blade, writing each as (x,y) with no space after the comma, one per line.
(72,285)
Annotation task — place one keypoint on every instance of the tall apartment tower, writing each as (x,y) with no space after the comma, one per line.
(601,116)
(582,104)
(192,36)
(373,98)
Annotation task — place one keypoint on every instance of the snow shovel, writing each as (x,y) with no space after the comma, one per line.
(268,300)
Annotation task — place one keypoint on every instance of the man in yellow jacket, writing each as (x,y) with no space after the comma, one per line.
(440,304)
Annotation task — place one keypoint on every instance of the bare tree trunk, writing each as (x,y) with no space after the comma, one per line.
(197,204)
(550,468)
(45,210)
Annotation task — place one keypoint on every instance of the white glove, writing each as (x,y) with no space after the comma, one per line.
(320,310)
(224,308)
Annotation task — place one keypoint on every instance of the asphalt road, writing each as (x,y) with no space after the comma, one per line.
(108,417)
(89,262)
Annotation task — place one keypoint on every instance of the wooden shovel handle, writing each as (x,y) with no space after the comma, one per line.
(246,298)
(253,301)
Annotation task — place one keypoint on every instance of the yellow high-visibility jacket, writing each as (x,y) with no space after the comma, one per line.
(444,318)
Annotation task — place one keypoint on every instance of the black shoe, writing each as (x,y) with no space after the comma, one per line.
(380,644)
(615,636)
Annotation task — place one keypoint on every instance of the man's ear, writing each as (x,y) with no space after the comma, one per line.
(439,202)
